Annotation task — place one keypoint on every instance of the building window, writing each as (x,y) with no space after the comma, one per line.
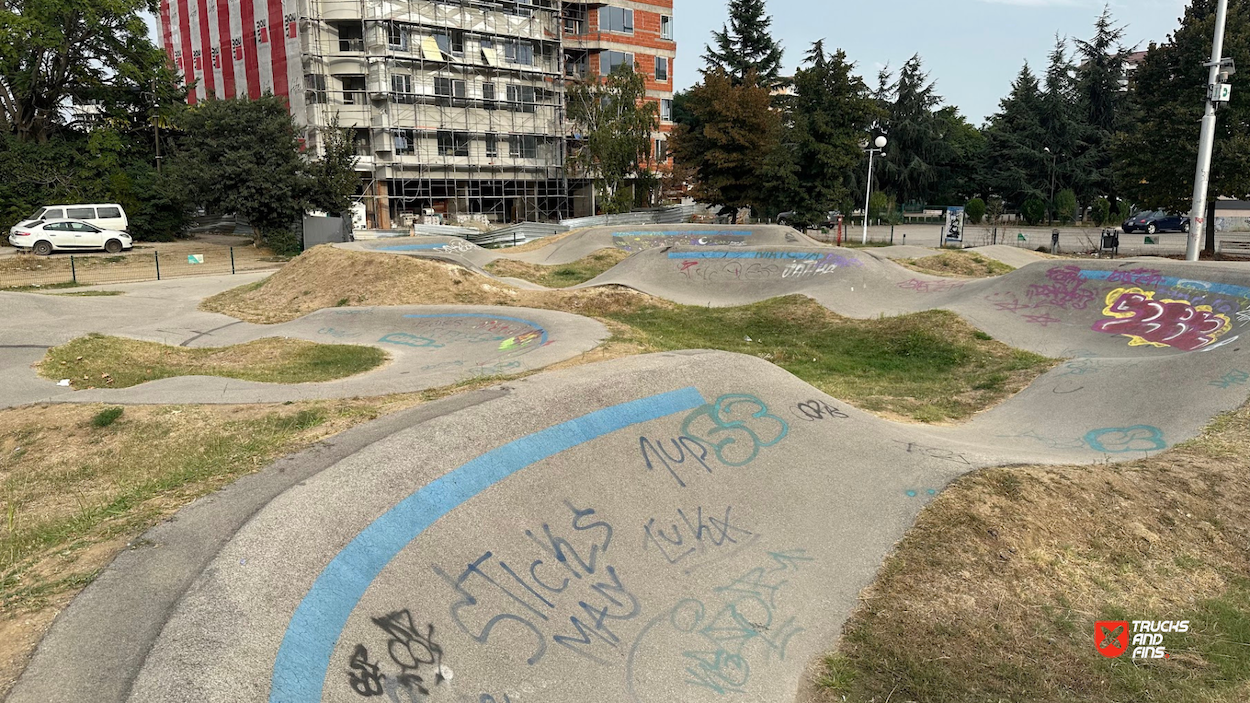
(362,143)
(666,110)
(315,88)
(522,97)
(661,68)
(523,147)
(447,88)
(405,142)
(609,60)
(401,88)
(453,143)
(666,27)
(616,19)
(518,52)
(396,37)
(351,36)
(353,90)
(661,150)
(492,146)
(450,43)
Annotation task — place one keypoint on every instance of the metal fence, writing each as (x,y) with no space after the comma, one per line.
(25,270)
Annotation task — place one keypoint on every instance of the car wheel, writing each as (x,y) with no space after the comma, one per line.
(1151,228)
(113,246)
(43,247)
(1185,228)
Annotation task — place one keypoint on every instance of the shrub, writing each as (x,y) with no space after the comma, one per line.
(975,210)
(1101,211)
(1065,206)
(1034,211)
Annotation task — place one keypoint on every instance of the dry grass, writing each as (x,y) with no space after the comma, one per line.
(993,594)
(958,264)
(325,277)
(561,276)
(98,361)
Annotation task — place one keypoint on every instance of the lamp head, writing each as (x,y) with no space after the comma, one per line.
(880,142)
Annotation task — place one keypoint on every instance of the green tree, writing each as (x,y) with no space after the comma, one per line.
(1033,210)
(1102,100)
(615,126)
(332,178)
(745,46)
(1101,211)
(1157,154)
(975,209)
(243,156)
(912,166)
(1063,126)
(52,51)
(1016,163)
(830,112)
(730,144)
(1065,205)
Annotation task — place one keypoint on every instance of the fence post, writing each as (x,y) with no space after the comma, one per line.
(156,256)
(231,261)
(73,271)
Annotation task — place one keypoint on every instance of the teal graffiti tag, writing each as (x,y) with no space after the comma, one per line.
(1121,440)
(736,427)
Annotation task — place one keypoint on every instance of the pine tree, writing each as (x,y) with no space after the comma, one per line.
(1016,162)
(910,169)
(1063,126)
(1101,97)
(830,112)
(1156,156)
(745,46)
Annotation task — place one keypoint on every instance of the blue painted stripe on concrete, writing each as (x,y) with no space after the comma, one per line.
(535,325)
(800,255)
(686,233)
(1174,282)
(412,247)
(303,659)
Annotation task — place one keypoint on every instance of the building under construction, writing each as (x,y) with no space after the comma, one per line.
(457,106)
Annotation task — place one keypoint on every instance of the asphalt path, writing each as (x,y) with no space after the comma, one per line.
(689,526)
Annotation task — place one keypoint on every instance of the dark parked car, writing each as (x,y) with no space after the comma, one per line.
(830,221)
(1157,221)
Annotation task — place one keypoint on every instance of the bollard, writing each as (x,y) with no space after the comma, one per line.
(1054,241)
(73,272)
(891,234)
(156,256)
(231,261)
(904,239)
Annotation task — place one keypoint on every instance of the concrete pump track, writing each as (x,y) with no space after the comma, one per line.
(689,526)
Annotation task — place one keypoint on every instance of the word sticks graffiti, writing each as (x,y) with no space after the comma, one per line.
(693,534)
(935,452)
(410,648)
(736,427)
(815,410)
(1122,440)
(1065,290)
(564,592)
(656,454)
(931,286)
(1232,378)
(722,635)
(1161,323)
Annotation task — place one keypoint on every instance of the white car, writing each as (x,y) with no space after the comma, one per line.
(104,216)
(46,237)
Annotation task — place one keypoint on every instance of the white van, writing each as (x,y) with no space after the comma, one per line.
(104,216)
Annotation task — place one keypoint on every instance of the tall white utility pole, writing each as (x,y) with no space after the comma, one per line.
(1206,144)
(879,143)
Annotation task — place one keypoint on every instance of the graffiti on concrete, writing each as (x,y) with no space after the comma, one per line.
(338,333)
(1049,442)
(410,340)
(815,410)
(694,535)
(1065,290)
(916,493)
(642,240)
(410,648)
(739,265)
(1121,440)
(931,286)
(655,454)
(736,427)
(564,592)
(1231,379)
(935,452)
(721,635)
(1161,323)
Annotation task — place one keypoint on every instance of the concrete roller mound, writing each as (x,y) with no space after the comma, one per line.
(677,527)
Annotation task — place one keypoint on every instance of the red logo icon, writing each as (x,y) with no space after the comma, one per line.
(1111,637)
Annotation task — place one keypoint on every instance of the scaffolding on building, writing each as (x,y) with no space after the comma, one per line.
(458,107)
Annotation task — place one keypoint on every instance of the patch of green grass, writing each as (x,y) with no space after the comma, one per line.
(92,294)
(561,276)
(41,287)
(958,263)
(107,416)
(930,366)
(98,361)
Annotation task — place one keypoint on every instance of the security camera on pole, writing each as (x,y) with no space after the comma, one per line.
(879,144)
(1218,91)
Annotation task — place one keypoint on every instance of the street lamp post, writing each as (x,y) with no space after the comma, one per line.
(1054,161)
(1206,143)
(877,145)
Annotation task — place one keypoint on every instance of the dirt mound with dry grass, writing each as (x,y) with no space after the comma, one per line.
(326,277)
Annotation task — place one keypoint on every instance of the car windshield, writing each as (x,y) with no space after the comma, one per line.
(38,214)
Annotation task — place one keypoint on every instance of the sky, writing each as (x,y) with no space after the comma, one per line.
(973,49)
